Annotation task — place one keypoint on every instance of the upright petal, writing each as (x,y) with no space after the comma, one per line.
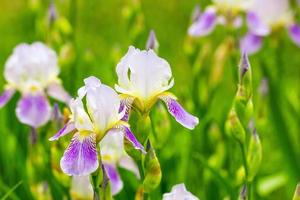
(68,127)
(57,91)
(204,24)
(179,192)
(80,118)
(250,43)
(33,110)
(80,158)
(143,74)
(256,25)
(6,96)
(114,177)
(294,32)
(177,111)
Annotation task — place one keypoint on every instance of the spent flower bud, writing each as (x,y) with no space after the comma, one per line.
(243,193)
(52,13)
(152,42)
(244,65)
(196,13)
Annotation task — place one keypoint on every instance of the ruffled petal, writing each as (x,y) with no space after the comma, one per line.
(204,24)
(68,127)
(177,111)
(56,91)
(33,110)
(114,177)
(294,32)
(256,26)
(179,192)
(250,43)
(6,96)
(80,158)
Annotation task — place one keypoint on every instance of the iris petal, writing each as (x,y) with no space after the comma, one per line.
(6,96)
(250,43)
(33,110)
(80,158)
(294,32)
(177,111)
(114,177)
(68,127)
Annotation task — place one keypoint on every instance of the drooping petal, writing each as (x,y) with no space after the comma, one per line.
(294,32)
(114,177)
(68,127)
(80,158)
(128,163)
(179,192)
(177,111)
(81,188)
(257,26)
(57,91)
(204,24)
(6,96)
(250,43)
(33,110)
(131,138)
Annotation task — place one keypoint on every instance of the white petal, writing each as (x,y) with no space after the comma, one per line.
(179,192)
(79,116)
(81,188)
(31,66)
(143,74)
(103,104)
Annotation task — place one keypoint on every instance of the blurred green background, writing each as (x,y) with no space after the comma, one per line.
(91,36)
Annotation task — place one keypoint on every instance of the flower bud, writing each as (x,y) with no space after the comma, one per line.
(245,77)
(152,42)
(152,170)
(234,127)
(243,193)
(254,155)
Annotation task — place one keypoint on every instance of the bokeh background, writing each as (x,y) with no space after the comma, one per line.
(90,37)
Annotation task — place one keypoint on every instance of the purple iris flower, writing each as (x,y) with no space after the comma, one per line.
(32,70)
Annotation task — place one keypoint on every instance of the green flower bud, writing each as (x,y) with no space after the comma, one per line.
(152,170)
(254,156)
(234,127)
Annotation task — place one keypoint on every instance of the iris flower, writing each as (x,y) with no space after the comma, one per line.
(265,17)
(144,78)
(91,123)
(179,192)
(32,70)
(224,12)
(112,155)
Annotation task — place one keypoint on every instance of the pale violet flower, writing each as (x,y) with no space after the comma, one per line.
(264,17)
(224,12)
(112,155)
(143,78)
(91,123)
(179,192)
(32,70)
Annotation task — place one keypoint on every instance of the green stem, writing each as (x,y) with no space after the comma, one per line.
(244,158)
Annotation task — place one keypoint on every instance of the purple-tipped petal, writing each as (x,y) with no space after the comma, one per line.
(177,111)
(33,110)
(68,127)
(204,24)
(256,26)
(131,138)
(250,43)
(125,108)
(294,32)
(6,96)
(114,177)
(56,91)
(81,157)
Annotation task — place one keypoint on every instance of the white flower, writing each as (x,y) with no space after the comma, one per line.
(179,192)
